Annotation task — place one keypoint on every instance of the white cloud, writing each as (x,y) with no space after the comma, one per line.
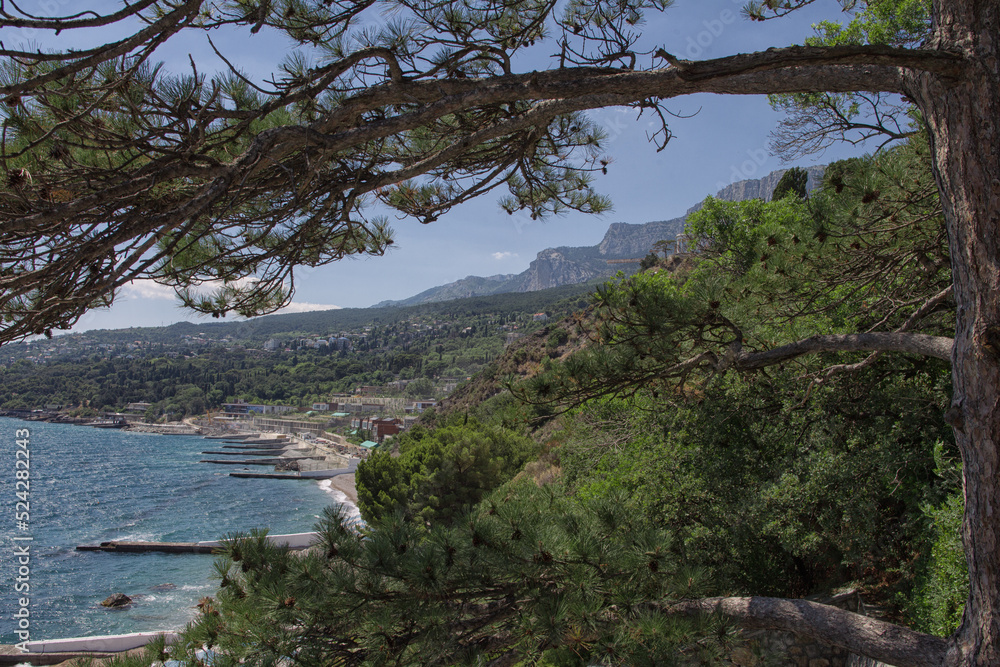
(504,255)
(305,307)
(147,289)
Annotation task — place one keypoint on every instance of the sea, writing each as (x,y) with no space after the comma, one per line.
(90,485)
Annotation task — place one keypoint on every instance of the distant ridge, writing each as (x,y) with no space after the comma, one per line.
(554,267)
(325,322)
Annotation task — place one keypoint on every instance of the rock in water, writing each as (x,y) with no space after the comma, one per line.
(163,587)
(117,600)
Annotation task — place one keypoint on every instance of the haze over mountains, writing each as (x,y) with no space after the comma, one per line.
(554,267)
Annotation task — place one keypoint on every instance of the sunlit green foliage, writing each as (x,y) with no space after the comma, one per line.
(891,22)
(860,255)
(942,588)
(772,494)
(440,473)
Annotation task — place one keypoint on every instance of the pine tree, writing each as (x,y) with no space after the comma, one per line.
(530,571)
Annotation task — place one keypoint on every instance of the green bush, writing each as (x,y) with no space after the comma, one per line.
(943,587)
(440,473)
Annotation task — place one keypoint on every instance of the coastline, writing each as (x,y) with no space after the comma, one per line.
(163,480)
(345,484)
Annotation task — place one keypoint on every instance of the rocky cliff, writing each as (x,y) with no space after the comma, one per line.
(624,240)
(554,267)
(761,188)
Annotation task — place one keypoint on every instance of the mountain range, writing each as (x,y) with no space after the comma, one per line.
(554,267)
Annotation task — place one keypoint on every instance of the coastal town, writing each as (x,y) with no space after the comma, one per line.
(315,443)
(382,363)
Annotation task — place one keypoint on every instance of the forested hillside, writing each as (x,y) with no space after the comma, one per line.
(186,369)
(671,458)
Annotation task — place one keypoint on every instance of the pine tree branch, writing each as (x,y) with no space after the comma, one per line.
(180,174)
(59,23)
(155,33)
(924,60)
(861,635)
(931,346)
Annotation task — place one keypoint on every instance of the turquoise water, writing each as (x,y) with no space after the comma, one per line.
(92,485)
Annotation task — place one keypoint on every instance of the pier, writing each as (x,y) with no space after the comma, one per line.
(258,448)
(11,655)
(290,540)
(260,462)
(148,547)
(282,441)
(303,474)
(269,475)
(56,651)
(245,452)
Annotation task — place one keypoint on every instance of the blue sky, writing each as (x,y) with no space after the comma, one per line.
(725,139)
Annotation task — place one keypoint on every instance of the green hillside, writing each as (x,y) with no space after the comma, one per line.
(188,368)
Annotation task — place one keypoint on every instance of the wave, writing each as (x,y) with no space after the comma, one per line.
(352,510)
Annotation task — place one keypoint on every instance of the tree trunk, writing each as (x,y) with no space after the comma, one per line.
(964,117)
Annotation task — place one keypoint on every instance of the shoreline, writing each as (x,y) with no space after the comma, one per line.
(171,605)
(345,484)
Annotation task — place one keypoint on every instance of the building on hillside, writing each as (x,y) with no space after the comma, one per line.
(340,343)
(321,407)
(420,406)
(240,408)
(272,345)
(449,385)
(340,419)
(380,428)
(539,317)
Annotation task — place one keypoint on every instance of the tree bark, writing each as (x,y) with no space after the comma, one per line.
(871,637)
(889,341)
(963,118)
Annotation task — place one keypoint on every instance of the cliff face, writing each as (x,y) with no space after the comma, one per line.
(624,240)
(762,188)
(554,267)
